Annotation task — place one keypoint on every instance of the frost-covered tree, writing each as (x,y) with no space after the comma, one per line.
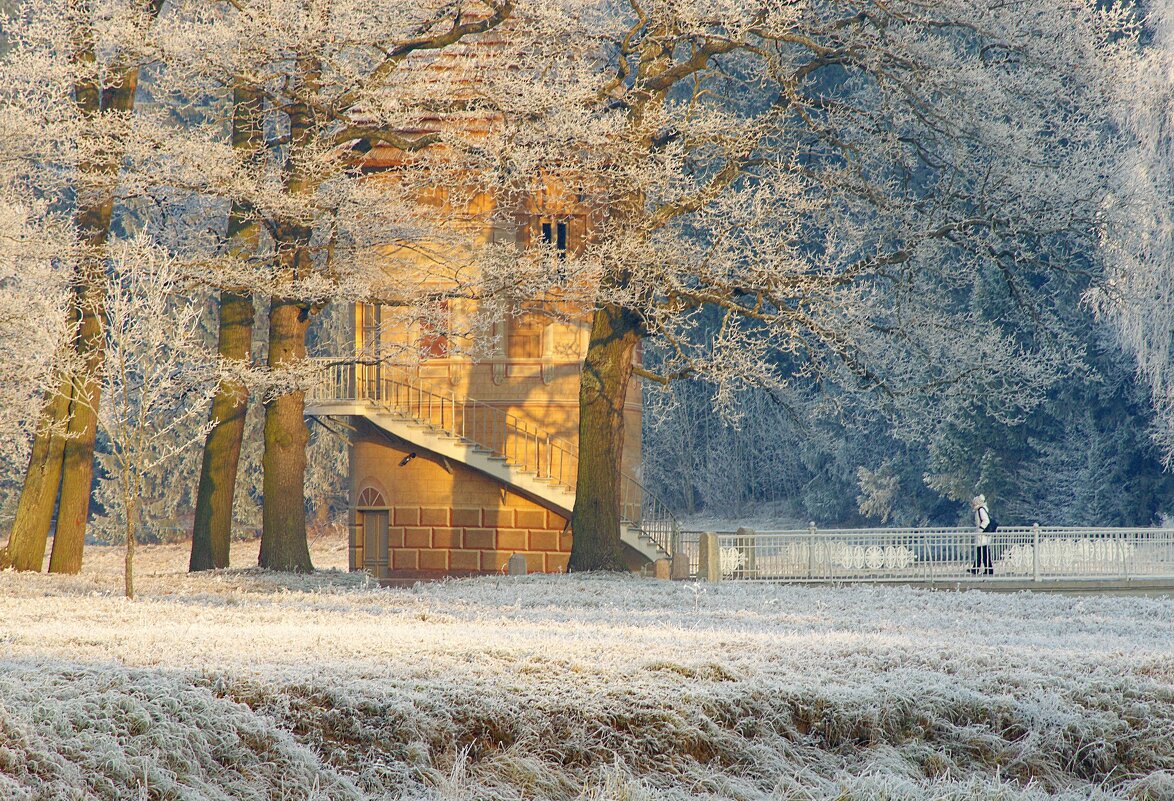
(1138,297)
(69,83)
(832,178)
(323,85)
(157,376)
(215,495)
(699,460)
(33,300)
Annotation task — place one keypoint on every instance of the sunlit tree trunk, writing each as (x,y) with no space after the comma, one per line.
(284,544)
(607,369)
(283,537)
(212,531)
(34,513)
(222,447)
(93,220)
(77,475)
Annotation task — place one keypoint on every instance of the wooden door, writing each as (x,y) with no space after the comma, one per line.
(375,551)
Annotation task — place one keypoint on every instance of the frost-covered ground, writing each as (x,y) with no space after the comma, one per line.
(243,685)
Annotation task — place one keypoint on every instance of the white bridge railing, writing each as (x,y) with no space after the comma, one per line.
(930,554)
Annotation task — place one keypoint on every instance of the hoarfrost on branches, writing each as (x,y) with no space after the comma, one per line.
(157,377)
(32,324)
(1138,295)
(837,184)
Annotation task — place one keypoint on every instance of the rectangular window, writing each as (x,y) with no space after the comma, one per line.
(434,334)
(554,234)
(369,335)
(524,336)
(369,349)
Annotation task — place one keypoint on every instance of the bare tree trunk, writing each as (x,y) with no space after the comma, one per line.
(30,529)
(77,477)
(283,537)
(212,531)
(34,512)
(129,573)
(129,564)
(284,545)
(607,368)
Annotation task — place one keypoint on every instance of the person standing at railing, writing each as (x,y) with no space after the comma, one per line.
(984,526)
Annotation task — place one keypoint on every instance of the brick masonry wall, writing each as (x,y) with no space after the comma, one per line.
(447,518)
(473,539)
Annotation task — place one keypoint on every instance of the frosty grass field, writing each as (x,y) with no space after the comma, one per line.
(245,685)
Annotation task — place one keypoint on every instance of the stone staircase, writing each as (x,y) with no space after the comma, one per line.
(485,438)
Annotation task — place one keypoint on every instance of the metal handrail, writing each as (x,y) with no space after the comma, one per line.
(485,426)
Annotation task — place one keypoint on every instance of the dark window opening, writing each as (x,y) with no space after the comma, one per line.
(556,234)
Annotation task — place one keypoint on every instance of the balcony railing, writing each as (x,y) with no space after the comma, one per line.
(484,425)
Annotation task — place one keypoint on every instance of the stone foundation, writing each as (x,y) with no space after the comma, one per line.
(477,540)
(442,517)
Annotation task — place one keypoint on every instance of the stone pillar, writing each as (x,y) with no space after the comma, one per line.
(710,563)
(516,566)
(662,569)
(680,566)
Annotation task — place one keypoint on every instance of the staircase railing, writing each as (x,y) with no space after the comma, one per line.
(490,428)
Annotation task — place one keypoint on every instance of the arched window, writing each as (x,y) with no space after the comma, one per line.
(371,498)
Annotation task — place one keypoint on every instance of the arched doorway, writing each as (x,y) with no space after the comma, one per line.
(371,546)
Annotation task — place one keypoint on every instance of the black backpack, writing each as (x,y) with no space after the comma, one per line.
(992,526)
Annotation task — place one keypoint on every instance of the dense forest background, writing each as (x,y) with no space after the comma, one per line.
(1083,455)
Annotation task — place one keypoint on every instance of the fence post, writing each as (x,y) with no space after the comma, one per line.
(710,564)
(1121,544)
(747,541)
(1035,552)
(811,549)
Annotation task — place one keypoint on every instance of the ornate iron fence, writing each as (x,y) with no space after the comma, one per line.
(934,554)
